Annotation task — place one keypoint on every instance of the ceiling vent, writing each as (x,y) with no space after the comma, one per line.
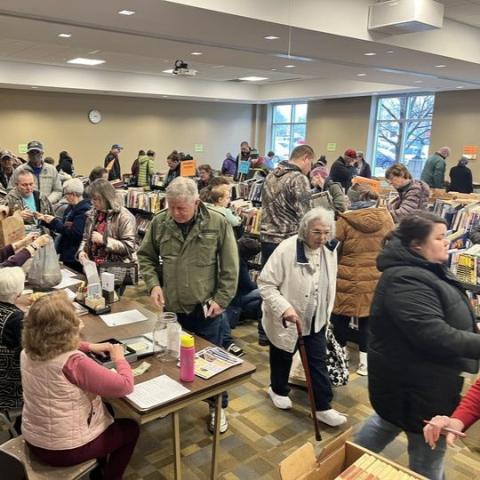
(395,17)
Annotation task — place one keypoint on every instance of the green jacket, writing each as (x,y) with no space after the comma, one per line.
(433,172)
(145,170)
(201,267)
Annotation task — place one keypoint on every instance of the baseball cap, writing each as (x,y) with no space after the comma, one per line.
(351,153)
(34,145)
(6,154)
(116,146)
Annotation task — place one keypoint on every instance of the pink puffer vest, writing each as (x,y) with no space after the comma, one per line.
(58,415)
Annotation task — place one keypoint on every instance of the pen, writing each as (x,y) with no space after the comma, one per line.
(448,430)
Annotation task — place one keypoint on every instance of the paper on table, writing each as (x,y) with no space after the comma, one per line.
(67,282)
(68,273)
(123,318)
(156,391)
(71,295)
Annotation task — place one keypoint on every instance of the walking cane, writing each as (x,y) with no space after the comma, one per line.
(311,397)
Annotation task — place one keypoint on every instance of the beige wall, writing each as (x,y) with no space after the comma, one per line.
(456,121)
(60,121)
(342,121)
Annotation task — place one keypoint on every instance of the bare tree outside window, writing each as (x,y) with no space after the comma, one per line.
(402,132)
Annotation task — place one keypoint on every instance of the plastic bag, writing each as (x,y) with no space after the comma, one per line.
(45,270)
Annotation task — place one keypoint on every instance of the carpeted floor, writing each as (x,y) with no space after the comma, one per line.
(260,435)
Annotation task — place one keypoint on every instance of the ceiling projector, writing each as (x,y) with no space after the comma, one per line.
(181,69)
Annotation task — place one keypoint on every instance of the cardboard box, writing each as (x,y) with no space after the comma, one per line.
(335,458)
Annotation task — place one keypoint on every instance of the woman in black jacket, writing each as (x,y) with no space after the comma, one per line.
(423,335)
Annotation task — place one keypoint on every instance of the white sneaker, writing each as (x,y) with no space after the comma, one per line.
(362,370)
(363,364)
(280,401)
(331,417)
(223,421)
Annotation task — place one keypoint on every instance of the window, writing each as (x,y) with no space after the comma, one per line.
(403,126)
(289,128)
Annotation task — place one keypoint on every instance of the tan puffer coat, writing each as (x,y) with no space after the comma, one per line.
(361,233)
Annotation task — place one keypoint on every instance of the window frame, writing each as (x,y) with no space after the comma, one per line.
(291,124)
(403,123)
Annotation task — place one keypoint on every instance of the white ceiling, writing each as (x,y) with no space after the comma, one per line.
(138,48)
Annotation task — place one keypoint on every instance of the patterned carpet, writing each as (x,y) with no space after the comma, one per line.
(260,435)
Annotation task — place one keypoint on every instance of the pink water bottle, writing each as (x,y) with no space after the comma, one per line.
(187,358)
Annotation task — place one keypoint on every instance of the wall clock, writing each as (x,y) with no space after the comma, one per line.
(94,116)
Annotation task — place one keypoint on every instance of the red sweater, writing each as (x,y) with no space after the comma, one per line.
(468,411)
(92,377)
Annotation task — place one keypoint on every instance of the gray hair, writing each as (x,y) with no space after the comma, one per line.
(325,216)
(104,189)
(184,188)
(23,173)
(74,185)
(12,281)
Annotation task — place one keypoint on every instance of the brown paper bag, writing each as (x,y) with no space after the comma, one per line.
(12,229)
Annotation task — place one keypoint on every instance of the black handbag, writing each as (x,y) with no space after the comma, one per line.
(337,364)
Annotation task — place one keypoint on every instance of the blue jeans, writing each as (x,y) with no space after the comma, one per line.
(377,433)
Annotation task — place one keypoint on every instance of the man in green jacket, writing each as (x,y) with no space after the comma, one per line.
(200,265)
(433,173)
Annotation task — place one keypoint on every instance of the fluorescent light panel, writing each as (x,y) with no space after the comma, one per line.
(91,62)
(289,66)
(253,78)
(64,35)
(271,37)
(369,54)
(196,53)
(170,70)
(126,12)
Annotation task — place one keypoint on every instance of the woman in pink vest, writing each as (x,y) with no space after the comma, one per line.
(64,421)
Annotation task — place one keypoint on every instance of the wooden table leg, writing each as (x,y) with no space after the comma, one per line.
(176,445)
(216,436)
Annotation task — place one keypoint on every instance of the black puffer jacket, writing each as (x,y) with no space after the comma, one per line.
(423,335)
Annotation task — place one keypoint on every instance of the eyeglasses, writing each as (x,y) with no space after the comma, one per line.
(320,233)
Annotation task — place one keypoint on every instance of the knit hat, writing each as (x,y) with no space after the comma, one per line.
(321,170)
(350,153)
(73,185)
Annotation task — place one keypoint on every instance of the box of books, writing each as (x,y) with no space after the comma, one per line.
(342,460)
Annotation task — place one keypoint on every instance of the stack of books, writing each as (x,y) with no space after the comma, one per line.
(148,201)
(373,468)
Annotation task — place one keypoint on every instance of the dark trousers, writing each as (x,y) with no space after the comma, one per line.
(281,363)
(211,329)
(267,249)
(114,446)
(343,332)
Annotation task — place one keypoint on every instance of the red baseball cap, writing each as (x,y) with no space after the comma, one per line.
(351,153)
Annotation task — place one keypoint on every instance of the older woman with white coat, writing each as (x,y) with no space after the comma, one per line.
(298,284)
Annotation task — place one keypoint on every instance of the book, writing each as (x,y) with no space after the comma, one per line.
(213,360)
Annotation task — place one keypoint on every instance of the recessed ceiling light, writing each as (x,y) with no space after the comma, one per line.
(164,96)
(361,74)
(64,35)
(271,37)
(418,81)
(253,78)
(369,54)
(126,12)
(273,69)
(390,51)
(86,61)
(440,66)
(289,66)
(460,87)
(34,87)
(168,71)
(196,53)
